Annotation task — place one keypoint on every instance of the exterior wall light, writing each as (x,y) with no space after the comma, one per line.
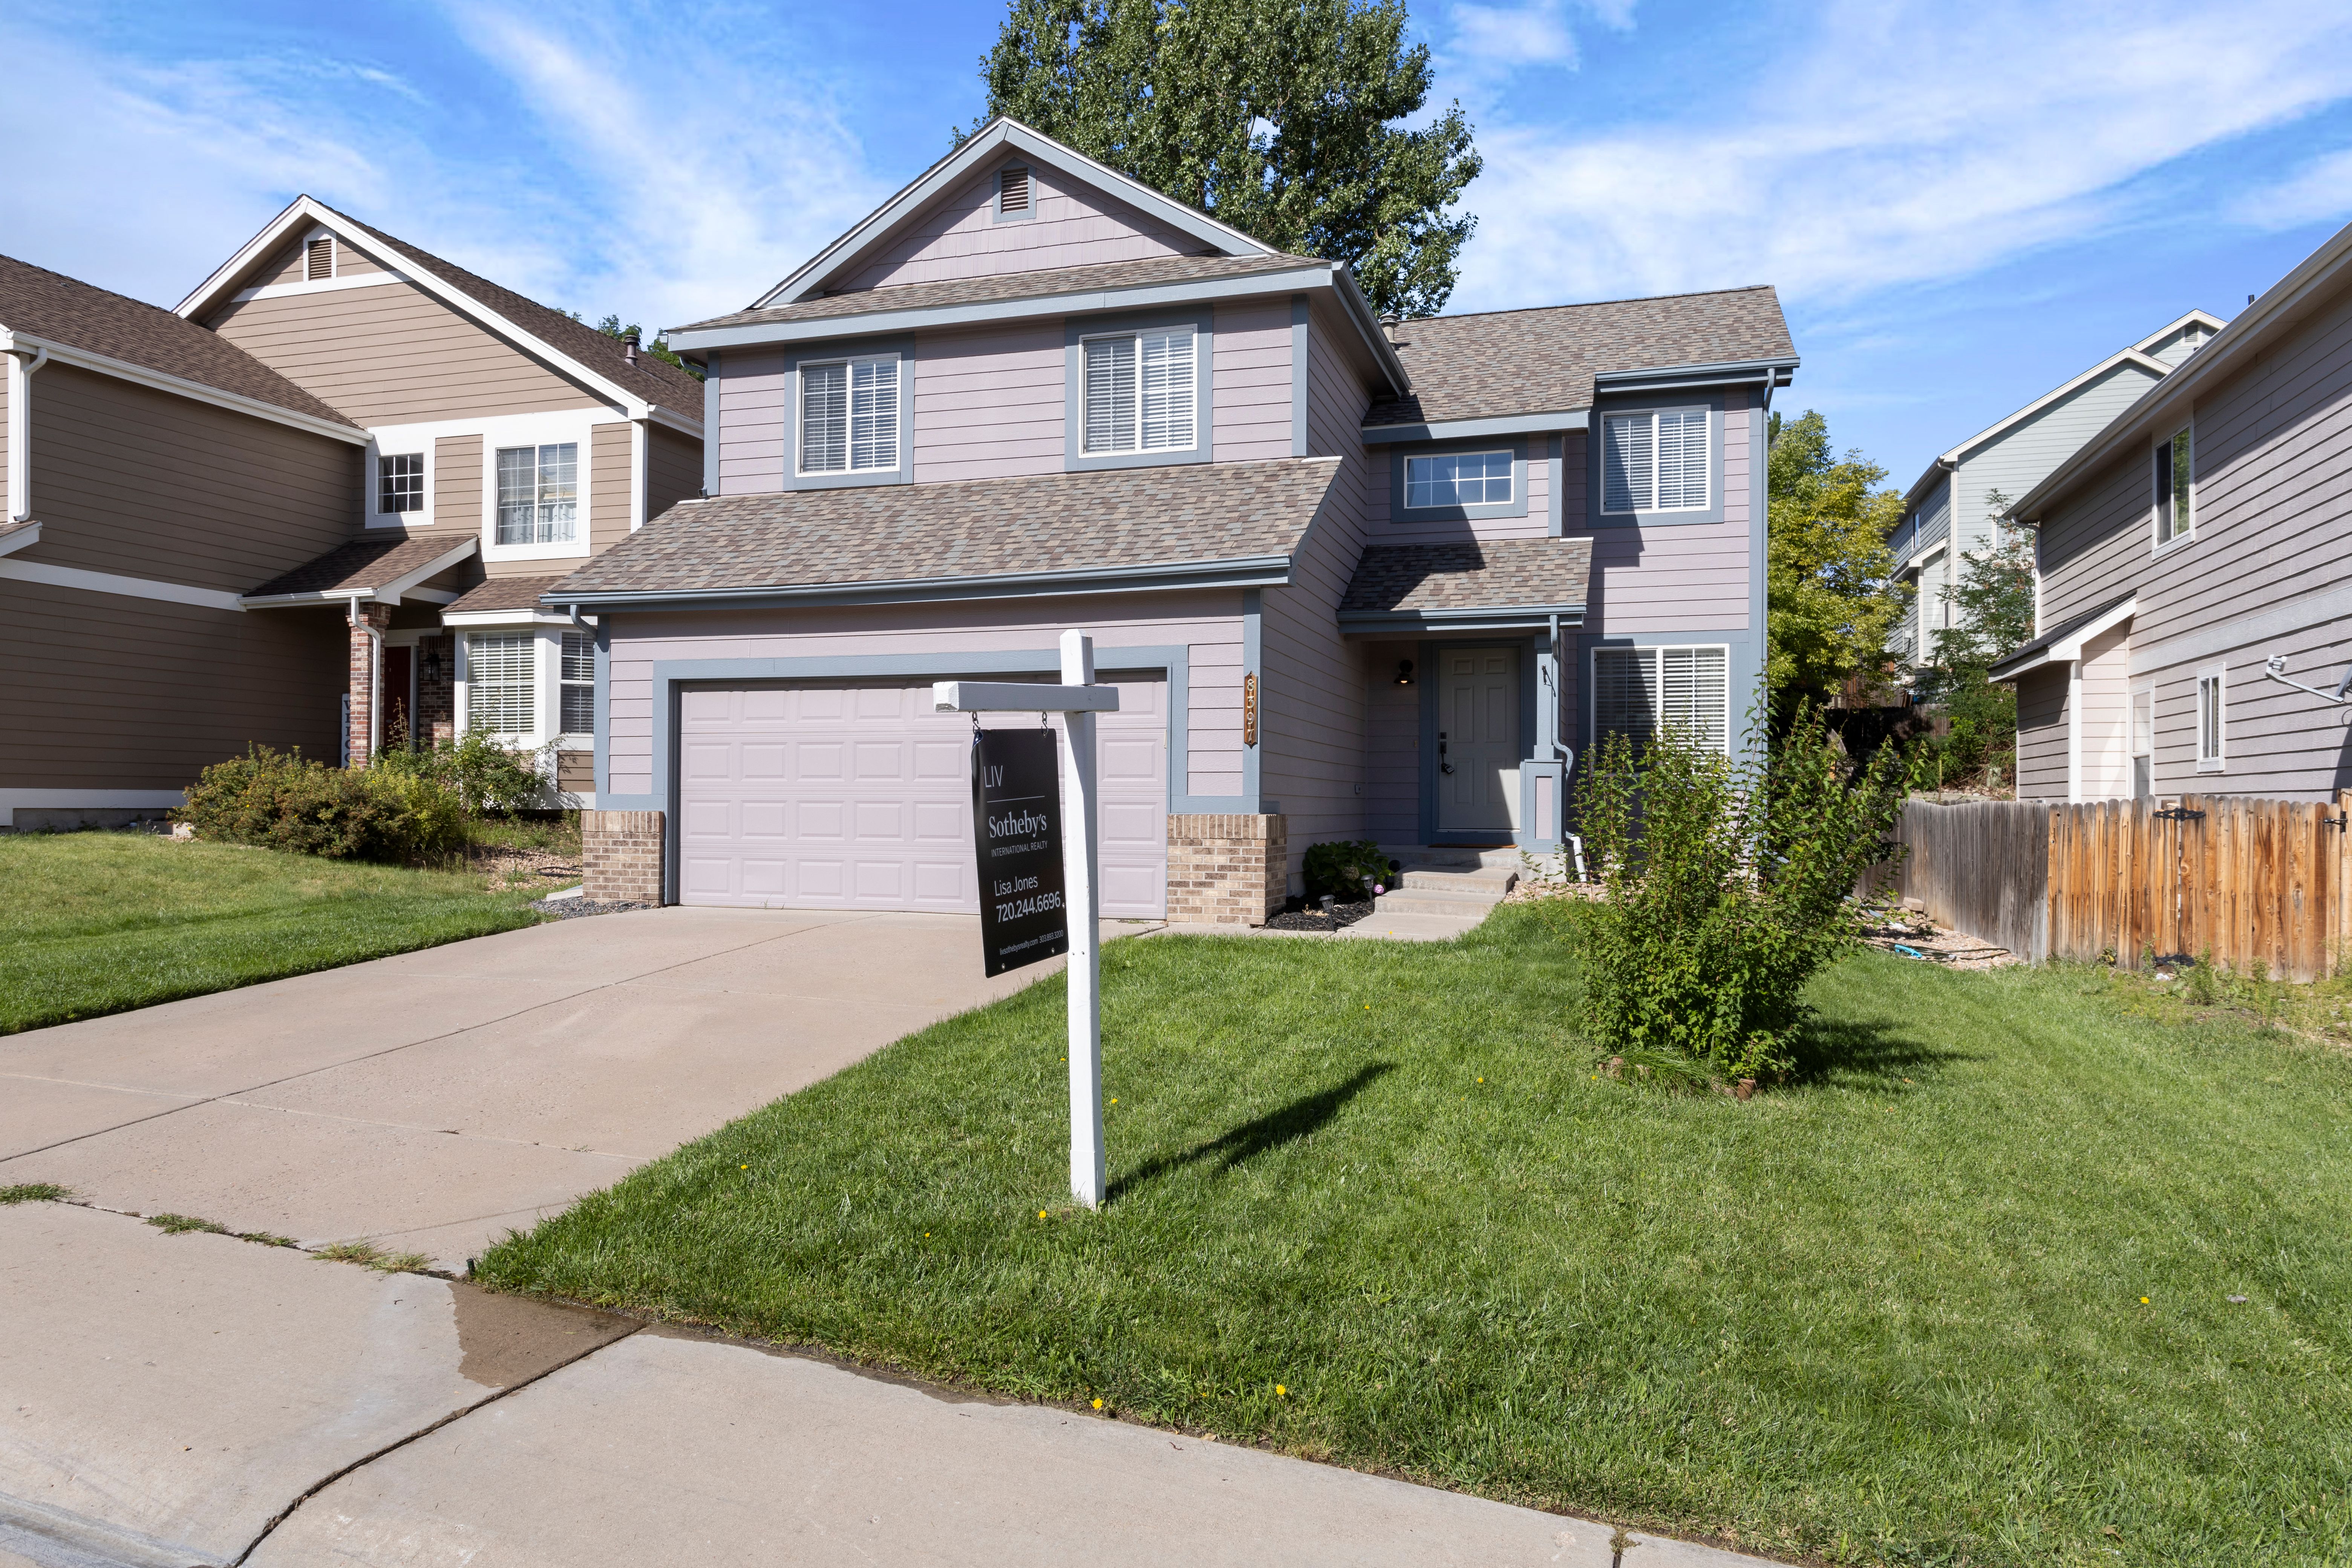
(1405,672)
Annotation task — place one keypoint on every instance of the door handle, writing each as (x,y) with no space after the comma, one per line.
(1443,765)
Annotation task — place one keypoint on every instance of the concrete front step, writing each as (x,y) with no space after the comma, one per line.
(1483,877)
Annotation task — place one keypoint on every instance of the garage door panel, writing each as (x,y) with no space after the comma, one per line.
(860,797)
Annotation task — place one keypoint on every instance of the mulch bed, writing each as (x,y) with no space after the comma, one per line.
(1314,919)
(573,909)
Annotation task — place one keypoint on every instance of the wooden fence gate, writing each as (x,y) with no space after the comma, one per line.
(2249,881)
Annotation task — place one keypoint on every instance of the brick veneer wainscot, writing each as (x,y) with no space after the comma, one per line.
(364,676)
(1227,870)
(621,857)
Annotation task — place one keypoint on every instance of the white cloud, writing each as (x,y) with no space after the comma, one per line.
(2321,189)
(1489,40)
(1890,146)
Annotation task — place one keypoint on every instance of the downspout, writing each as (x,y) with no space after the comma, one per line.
(2074,730)
(20,431)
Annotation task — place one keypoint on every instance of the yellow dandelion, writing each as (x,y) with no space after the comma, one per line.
(1280,1392)
(1482,1080)
(1041,1214)
(1098,1404)
(2143,1300)
(1114,1099)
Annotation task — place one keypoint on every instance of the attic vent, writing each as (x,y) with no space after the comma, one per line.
(1013,191)
(318,259)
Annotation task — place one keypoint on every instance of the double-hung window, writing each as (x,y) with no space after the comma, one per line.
(2175,489)
(2210,685)
(579,684)
(1140,392)
(539,494)
(849,417)
(1642,693)
(1458,478)
(502,682)
(400,483)
(1655,460)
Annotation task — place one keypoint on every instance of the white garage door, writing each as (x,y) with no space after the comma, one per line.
(860,797)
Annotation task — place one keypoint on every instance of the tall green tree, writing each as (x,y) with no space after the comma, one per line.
(1991,616)
(1281,118)
(1830,602)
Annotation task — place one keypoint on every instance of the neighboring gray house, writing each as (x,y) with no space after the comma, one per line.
(1946,513)
(2199,536)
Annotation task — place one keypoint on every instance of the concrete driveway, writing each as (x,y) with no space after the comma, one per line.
(430,1101)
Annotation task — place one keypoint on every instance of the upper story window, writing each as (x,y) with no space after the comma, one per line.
(2175,489)
(579,684)
(1459,479)
(849,415)
(1655,460)
(502,682)
(539,494)
(1139,392)
(400,483)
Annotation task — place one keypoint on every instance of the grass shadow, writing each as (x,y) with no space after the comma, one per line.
(1832,1048)
(1267,1132)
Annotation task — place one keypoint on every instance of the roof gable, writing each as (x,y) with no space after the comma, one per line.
(1001,141)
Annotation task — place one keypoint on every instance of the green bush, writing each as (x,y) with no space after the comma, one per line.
(1345,869)
(285,801)
(1728,885)
(486,776)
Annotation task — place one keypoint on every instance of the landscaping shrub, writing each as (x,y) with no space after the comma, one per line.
(1729,885)
(484,774)
(283,800)
(1347,869)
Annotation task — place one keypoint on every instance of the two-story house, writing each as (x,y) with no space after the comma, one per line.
(314,506)
(1352,578)
(1953,510)
(2196,539)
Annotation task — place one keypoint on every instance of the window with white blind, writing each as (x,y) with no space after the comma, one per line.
(849,417)
(1646,692)
(579,684)
(400,483)
(539,494)
(1140,392)
(1655,461)
(2211,692)
(1458,478)
(502,683)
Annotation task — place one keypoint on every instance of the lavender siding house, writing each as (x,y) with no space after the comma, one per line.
(2195,582)
(1353,579)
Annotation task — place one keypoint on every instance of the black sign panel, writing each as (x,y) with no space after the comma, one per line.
(1016,825)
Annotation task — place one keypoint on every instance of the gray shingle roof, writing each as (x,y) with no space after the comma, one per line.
(361,566)
(1012,285)
(1539,360)
(656,381)
(46,304)
(1506,573)
(1047,523)
(502,593)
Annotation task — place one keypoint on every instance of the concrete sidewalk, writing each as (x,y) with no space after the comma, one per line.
(192,1399)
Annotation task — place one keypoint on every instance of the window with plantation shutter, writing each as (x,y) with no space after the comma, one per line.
(1140,391)
(501,678)
(1646,692)
(849,417)
(1655,461)
(579,684)
(318,259)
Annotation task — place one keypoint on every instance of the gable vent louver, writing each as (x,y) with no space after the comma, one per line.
(1013,191)
(318,259)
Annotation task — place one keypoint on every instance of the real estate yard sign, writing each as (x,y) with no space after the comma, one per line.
(1016,816)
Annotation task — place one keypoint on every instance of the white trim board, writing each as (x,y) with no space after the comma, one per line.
(30,533)
(110,583)
(323,286)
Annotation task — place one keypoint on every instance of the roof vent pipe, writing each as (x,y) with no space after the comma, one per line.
(1389,325)
(629,345)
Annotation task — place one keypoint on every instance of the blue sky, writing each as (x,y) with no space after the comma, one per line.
(1962,204)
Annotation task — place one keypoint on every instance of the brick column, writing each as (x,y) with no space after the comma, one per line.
(436,691)
(621,857)
(1227,870)
(364,676)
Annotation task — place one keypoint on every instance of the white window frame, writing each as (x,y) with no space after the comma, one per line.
(2160,541)
(1656,653)
(564,683)
(537,430)
(1706,461)
(1190,383)
(898,366)
(394,442)
(424,486)
(468,684)
(2213,719)
(1510,477)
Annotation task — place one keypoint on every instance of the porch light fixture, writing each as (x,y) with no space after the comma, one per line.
(1405,672)
(432,670)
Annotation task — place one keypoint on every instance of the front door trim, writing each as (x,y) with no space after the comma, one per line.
(1426,661)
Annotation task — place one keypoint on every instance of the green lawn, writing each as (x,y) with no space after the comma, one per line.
(1963,1299)
(98,922)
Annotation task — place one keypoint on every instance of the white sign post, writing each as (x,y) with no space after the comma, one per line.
(1078,699)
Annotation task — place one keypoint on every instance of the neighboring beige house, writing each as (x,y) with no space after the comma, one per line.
(314,506)
(2196,583)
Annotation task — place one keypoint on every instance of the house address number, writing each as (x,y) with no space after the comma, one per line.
(1249,710)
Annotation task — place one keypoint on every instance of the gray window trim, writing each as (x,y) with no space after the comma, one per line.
(1076,330)
(826,353)
(1515,507)
(997,196)
(1599,438)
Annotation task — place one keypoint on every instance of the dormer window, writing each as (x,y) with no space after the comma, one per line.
(1139,392)
(849,417)
(318,259)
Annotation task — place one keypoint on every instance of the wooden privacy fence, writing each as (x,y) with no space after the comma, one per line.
(2252,881)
